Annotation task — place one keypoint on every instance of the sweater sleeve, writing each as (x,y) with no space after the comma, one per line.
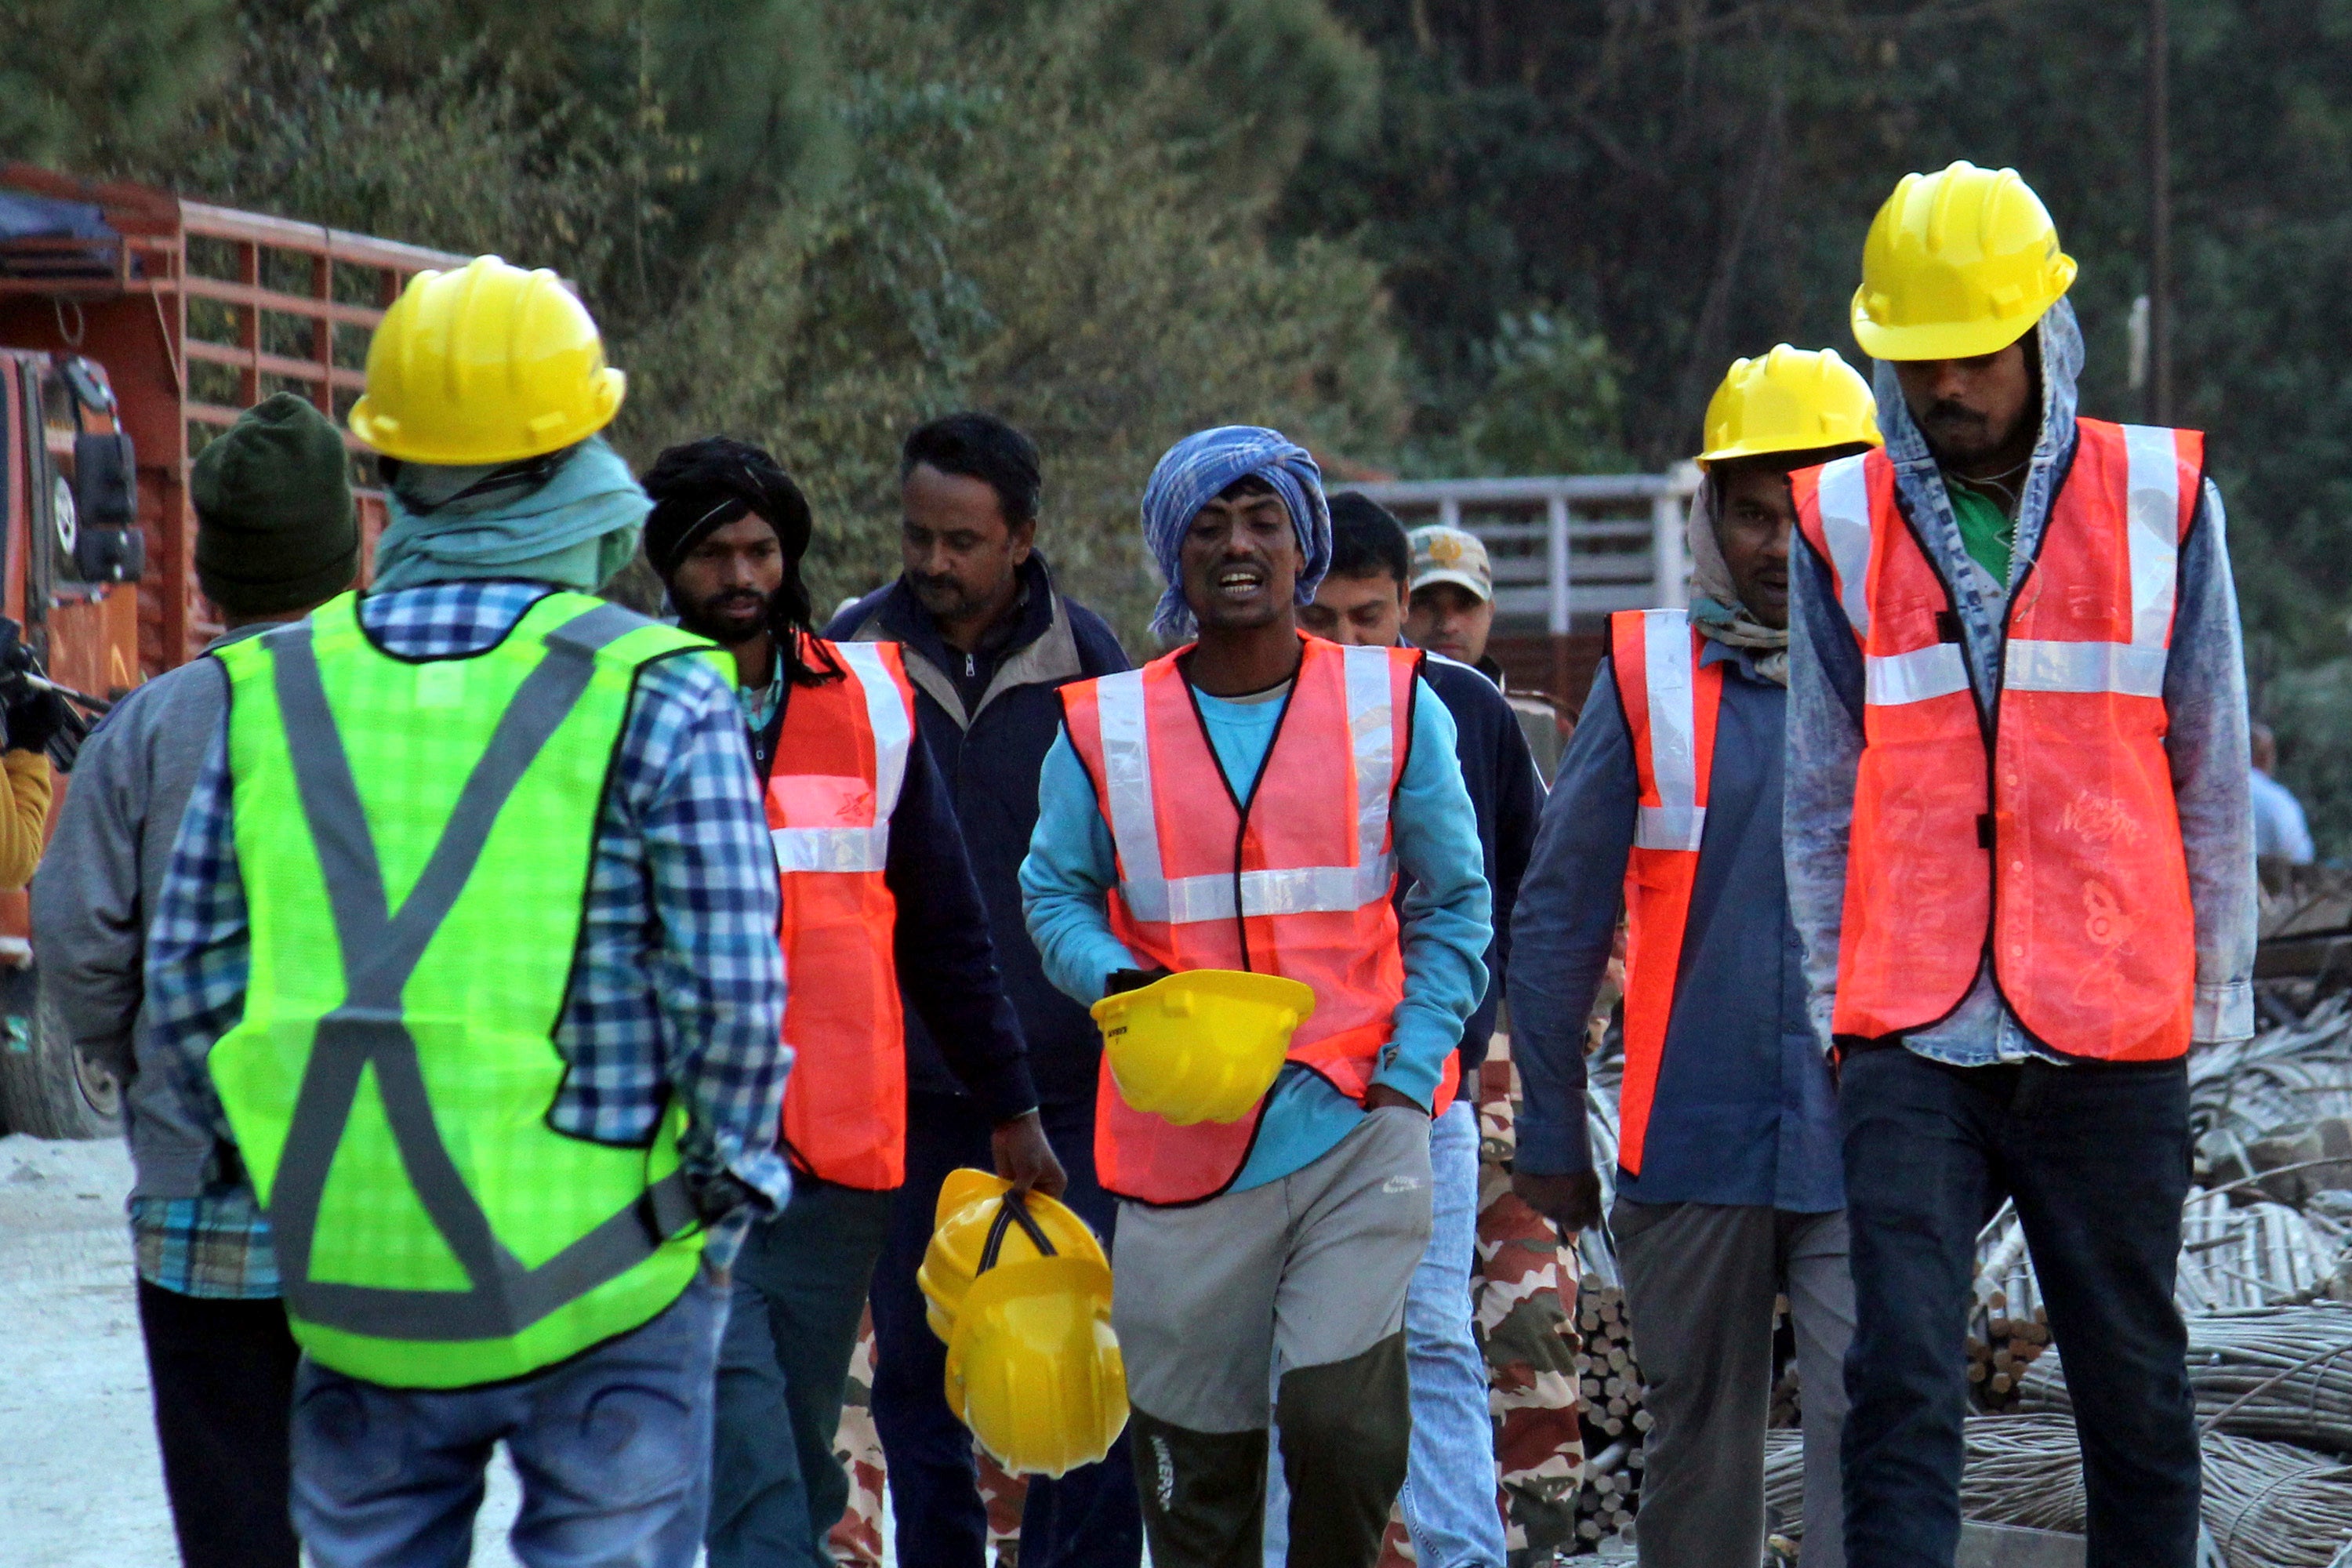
(2205,710)
(1565,927)
(947,962)
(1448,915)
(22,824)
(90,924)
(1066,881)
(1519,809)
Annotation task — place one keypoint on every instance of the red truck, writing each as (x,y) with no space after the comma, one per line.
(134,325)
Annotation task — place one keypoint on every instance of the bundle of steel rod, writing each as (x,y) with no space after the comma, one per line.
(2284,1373)
(2258,1255)
(2008,1328)
(2271,1505)
(1613,1420)
(2266,1505)
(2280,1078)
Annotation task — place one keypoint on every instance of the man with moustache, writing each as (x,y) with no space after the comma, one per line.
(876,895)
(1291,1236)
(2020,855)
(1668,807)
(987,641)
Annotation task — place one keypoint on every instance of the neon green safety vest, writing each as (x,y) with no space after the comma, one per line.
(415,840)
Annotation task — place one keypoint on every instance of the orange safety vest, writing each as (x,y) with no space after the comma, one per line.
(2046,841)
(1670,701)
(1296,881)
(845,743)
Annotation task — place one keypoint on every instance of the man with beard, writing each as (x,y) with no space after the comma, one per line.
(862,830)
(1668,808)
(1250,802)
(987,642)
(2020,855)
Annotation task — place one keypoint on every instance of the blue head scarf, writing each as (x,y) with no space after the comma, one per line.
(1192,474)
(577,529)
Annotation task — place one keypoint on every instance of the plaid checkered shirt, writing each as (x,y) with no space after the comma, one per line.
(679,987)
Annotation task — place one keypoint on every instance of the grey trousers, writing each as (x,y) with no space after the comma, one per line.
(1313,1267)
(1699,1283)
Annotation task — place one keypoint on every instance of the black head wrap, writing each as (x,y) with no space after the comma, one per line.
(707,484)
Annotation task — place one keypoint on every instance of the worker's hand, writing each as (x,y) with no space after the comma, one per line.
(1571,1202)
(1381,1095)
(1025,1158)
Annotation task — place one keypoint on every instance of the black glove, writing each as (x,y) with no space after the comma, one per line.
(35,719)
(1122,980)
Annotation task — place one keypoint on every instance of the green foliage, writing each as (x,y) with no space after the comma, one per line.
(81,79)
(1010,238)
(1551,404)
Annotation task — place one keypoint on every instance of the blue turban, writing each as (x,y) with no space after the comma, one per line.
(1193,473)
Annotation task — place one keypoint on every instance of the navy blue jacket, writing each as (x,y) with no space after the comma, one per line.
(990,717)
(1508,794)
(1745,1110)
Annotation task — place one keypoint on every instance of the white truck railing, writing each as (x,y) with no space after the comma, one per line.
(1565,547)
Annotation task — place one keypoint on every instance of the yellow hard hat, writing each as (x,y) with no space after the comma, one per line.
(488,363)
(976,1225)
(1202,1045)
(1958,264)
(1791,400)
(1034,1368)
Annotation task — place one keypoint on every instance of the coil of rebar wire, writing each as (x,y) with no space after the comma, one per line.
(2282,1372)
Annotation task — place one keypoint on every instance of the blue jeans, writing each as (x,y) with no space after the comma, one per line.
(776,1488)
(1088,1519)
(1449,1494)
(2097,1157)
(613,1447)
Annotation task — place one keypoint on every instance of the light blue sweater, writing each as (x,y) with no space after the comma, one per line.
(1447,917)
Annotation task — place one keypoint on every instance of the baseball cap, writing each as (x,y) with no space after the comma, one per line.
(1442,554)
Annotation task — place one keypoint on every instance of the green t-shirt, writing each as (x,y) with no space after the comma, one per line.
(1986,530)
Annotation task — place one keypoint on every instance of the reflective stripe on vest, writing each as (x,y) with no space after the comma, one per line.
(327,1056)
(2058,859)
(1297,883)
(845,743)
(1670,701)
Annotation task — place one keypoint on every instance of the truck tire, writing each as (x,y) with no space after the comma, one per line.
(47,1089)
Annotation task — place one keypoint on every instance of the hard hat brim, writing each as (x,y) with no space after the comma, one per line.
(1769,448)
(1951,340)
(385,438)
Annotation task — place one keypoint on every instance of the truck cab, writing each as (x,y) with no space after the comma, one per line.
(134,327)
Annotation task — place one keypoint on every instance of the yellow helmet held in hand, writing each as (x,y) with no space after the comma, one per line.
(1958,263)
(973,1222)
(1791,400)
(1034,1368)
(488,363)
(1202,1045)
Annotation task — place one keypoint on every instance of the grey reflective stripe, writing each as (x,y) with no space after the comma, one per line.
(1300,891)
(1924,673)
(1372,728)
(1669,826)
(1288,891)
(862,848)
(2031,666)
(1844,498)
(1669,676)
(2152,461)
(1127,795)
(832,848)
(367,1028)
(886,711)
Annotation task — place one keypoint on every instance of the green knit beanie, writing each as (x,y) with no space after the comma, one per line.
(275,529)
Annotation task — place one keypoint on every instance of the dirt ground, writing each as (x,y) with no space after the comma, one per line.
(85,1489)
